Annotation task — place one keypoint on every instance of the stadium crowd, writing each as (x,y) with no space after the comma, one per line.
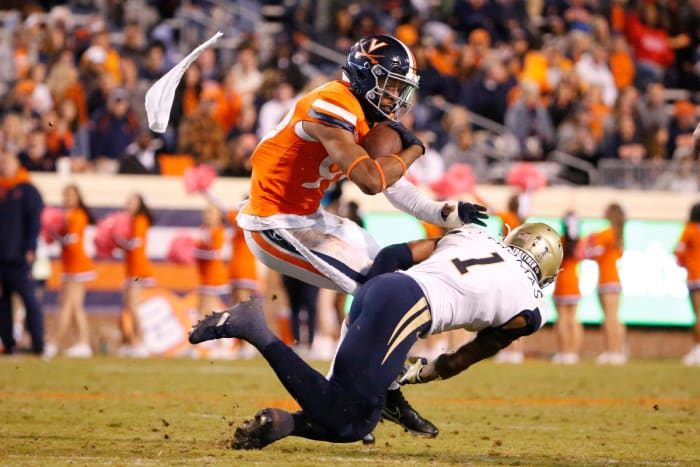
(587,78)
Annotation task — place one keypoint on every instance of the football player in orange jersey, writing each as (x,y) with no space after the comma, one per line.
(687,253)
(317,143)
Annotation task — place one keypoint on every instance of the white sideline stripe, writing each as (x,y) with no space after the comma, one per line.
(339,111)
(223,319)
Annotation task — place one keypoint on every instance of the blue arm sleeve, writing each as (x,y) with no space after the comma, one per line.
(390,259)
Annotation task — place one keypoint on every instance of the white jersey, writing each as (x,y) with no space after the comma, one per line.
(473,281)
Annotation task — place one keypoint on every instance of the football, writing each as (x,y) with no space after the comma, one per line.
(382,140)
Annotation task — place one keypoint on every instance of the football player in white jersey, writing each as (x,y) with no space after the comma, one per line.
(470,280)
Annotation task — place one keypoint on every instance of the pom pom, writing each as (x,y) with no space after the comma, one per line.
(114,225)
(199,178)
(181,249)
(458,179)
(526,176)
(53,222)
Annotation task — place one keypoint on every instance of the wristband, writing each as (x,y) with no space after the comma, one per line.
(381,174)
(354,164)
(401,161)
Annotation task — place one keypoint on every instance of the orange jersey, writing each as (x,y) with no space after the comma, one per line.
(73,257)
(137,263)
(510,219)
(603,249)
(291,171)
(242,265)
(688,250)
(432,230)
(209,259)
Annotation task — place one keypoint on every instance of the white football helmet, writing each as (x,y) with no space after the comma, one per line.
(540,246)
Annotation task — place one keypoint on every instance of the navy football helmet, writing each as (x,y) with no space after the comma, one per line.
(382,75)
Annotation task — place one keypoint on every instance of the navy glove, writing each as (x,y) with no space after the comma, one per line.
(408,139)
(472,213)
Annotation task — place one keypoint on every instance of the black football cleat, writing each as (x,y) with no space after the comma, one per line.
(255,433)
(243,320)
(398,410)
(369,439)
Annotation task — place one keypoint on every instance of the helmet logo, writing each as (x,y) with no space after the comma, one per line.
(374,44)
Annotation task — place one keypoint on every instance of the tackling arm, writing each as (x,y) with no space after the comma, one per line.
(486,344)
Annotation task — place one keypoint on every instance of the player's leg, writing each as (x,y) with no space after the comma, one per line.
(331,411)
(22,282)
(334,253)
(349,405)
(8,340)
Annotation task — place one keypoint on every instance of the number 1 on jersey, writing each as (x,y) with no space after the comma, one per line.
(462,265)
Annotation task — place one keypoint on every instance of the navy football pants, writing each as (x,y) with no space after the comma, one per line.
(386,317)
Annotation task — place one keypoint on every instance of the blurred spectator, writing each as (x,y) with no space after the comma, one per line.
(621,62)
(681,126)
(486,94)
(625,142)
(240,147)
(459,150)
(430,167)
(113,129)
(64,84)
(546,67)
(592,69)
(529,121)
(247,76)
(20,209)
(201,136)
(136,90)
(575,137)
(284,61)
(651,109)
(153,64)
(141,156)
(133,45)
(650,45)
(682,174)
(274,109)
(36,156)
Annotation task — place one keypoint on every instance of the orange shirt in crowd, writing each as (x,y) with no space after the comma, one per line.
(688,252)
(73,257)
(137,263)
(242,270)
(602,247)
(212,271)
(622,69)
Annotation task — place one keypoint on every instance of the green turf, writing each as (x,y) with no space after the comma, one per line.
(109,411)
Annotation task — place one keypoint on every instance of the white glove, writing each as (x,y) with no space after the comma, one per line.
(412,368)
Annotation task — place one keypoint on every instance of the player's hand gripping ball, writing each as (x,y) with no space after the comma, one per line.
(382,140)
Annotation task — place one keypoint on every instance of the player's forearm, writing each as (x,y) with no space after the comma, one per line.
(405,197)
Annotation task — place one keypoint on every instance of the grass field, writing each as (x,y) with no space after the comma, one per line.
(109,411)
